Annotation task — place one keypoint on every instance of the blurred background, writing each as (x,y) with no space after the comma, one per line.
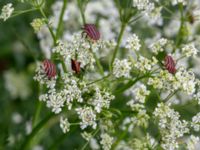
(19,49)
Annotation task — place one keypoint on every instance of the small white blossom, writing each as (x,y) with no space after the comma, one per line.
(189,50)
(121,68)
(145,143)
(171,127)
(144,64)
(196,122)
(37,24)
(192,142)
(175,2)
(6,11)
(140,93)
(106,141)
(143,5)
(55,101)
(87,116)
(133,43)
(64,124)
(101,99)
(158,46)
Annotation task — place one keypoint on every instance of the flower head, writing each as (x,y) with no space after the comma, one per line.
(7,11)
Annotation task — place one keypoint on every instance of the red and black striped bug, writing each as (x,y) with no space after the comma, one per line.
(170,64)
(91,31)
(49,68)
(76,66)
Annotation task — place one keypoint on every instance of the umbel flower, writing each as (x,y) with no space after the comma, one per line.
(7,11)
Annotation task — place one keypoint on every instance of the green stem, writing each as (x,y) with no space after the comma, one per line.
(101,71)
(61,18)
(85,146)
(23,12)
(50,29)
(98,80)
(80,5)
(123,26)
(130,83)
(35,131)
(122,135)
(53,35)
(170,96)
(179,36)
(37,113)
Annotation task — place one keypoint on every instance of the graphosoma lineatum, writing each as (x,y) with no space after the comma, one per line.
(91,31)
(49,68)
(170,64)
(76,66)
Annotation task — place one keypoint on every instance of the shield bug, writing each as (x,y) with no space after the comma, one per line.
(170,64)
(91,31)
(49,68)
(76,66)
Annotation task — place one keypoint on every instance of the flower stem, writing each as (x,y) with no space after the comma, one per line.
(50,29)
(85,146)
(35,131)
(129,84)
(123,26)
(61,18)
(80,5)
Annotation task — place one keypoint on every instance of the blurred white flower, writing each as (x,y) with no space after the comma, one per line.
(106,141)
(64,124)
(6,11)
(121,68)
(87,116)
(17,84)
(189,50)
(133,43)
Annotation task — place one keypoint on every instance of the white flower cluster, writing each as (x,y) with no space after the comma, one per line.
(170,126)
(106,141)
(72,89)
(145,143)
(64,124)
(154,17)
(78,48)
(143,5)
(189,50)
(133,43)
(17,84)
(175,2)
(192,142)
(101,99)
(144,64)
(183,79)
(6,11)
(164,80)
(196,122)
(56,99)
(87,116)
(137,105)
(141,93)
(37,24)
(159,45)
(121,68)
(186,80)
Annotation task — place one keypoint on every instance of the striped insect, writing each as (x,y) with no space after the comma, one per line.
(91,31)
(76,66)
(49,68)
(170,64)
